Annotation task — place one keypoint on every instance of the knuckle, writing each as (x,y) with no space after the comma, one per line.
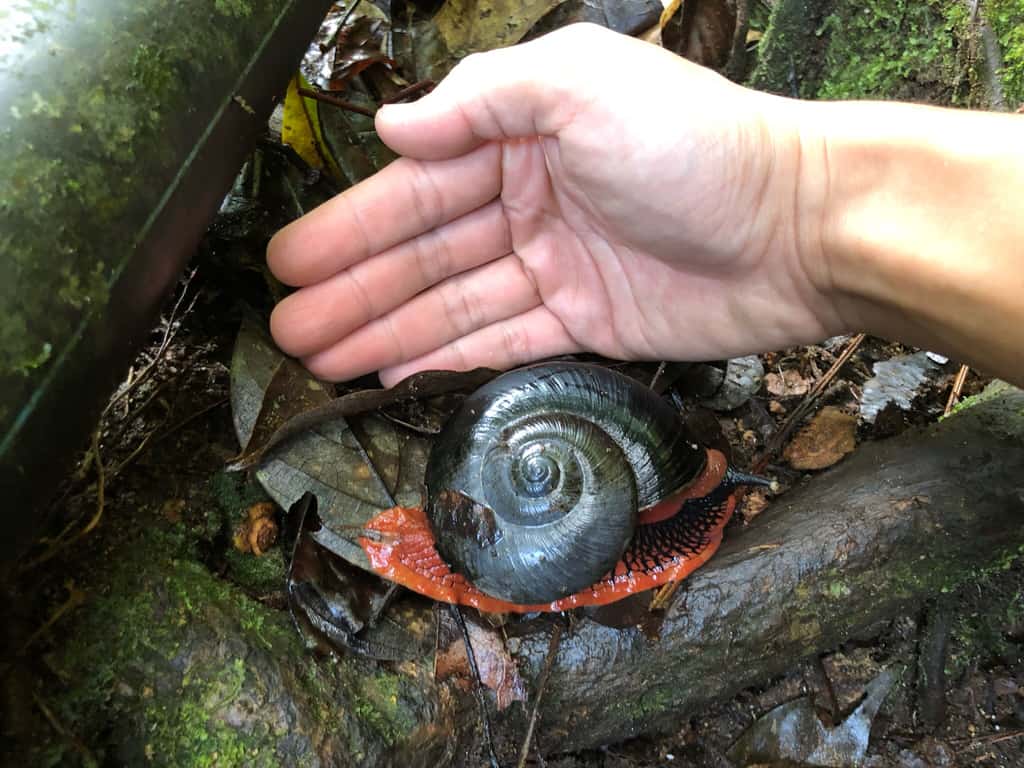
(515,343)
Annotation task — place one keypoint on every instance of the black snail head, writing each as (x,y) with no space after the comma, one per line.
(534,484)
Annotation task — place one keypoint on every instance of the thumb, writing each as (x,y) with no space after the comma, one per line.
(522,91)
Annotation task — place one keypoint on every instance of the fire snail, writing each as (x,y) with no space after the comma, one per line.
(557,486)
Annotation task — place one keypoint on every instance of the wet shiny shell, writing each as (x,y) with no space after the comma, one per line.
(534,484)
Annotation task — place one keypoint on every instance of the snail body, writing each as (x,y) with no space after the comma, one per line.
(557,485)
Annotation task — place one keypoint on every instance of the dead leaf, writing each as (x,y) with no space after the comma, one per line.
(823,442)
(463,27)
(498,670)
(301,130)
(789,384)
(699,30)
(339,607)
(356,463)
(793,733)
(307,415)
(360,46)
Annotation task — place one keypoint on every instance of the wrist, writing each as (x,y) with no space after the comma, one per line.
(912,225)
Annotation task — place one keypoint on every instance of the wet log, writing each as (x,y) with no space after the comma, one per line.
(123,124)
(194,667)
(897,522)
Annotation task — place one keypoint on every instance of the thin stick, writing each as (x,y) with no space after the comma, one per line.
(798,414)
(478,690)
(169,334)
(334,101)
(958,387)
(410,90)
(61,543)
(542,682)
(664,595)
(76,597)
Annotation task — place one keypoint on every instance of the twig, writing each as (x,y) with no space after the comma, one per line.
(958,386)
(334,101)
(169,333)
(993,738)
(76,597)
(82,750)
(664,595)
(62,542)
(657,375)
(549,660)
(410,90)
(798,414)
(478,691)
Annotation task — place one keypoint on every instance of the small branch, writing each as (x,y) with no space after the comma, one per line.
(798,414)
(478,688)
(169,333)
(958,386)
(542,682)
(425,86)
(334,101)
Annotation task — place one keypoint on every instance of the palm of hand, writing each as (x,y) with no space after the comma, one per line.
(627,237)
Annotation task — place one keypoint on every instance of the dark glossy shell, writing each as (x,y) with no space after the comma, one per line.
(534,484)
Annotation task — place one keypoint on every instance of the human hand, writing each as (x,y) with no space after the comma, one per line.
(585,191)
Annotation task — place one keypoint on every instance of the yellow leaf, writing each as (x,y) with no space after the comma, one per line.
(300,129)
(669,12)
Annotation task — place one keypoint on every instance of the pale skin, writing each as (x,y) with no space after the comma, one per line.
(591,192)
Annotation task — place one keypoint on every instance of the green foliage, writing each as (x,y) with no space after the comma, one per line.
(1006,18)
(884,48)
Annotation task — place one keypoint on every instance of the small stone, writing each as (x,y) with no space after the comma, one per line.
(743,377)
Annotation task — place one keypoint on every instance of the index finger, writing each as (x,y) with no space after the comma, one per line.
(404,200)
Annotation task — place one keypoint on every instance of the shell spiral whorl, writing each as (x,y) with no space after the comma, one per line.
(534,484)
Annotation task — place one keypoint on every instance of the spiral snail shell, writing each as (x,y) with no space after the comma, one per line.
(534,486)
(555,486)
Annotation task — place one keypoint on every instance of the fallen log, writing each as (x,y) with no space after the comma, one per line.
(899,521)
(196,667)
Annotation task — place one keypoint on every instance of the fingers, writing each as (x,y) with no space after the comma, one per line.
(317,317)
(400,202)
(531,336)
(456,308)
(527,90)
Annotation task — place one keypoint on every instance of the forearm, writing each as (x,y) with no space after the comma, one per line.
(921,231)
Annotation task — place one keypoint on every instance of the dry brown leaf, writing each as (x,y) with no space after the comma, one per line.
(498,670)
(823,442)
(788,384)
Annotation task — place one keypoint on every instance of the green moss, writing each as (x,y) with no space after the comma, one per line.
(1006,18)
(152,600)
(654,702)
(378,702)
(892,48)
(237,9)
(257,575)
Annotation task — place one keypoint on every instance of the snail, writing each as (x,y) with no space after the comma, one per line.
(556,486)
